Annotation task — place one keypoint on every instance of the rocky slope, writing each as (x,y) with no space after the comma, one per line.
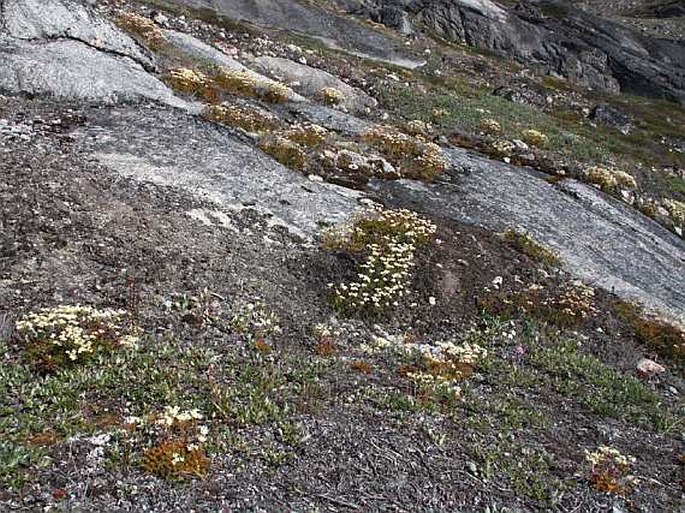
(555,37)
(224,174)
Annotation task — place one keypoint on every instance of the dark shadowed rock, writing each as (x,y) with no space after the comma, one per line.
(612,117)
(523,96)
(560,39)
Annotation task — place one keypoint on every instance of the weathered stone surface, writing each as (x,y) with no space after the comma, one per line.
(63,49)
(331,119)
(334,30)
(67,69)
(648,368)
(637,258)
(199,49)
(192,46)
(311,81)
(171,148)
(69,19)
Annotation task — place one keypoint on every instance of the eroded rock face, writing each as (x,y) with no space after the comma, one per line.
(62,48)
(68,19)
(558,39)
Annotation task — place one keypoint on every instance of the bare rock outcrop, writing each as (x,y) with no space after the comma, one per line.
(64,49)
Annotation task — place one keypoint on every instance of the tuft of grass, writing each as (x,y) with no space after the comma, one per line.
(143,29)
(527,245)
(412,156)
(249,119)
(665,338)
(603,390)
(285,151)
(527,469)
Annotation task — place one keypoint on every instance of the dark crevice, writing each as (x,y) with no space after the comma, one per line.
(66,37)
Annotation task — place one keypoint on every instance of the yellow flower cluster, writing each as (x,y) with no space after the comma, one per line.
(247,83)
(534,137)
(413,157)
(309,135)
(608,178)
(331,96)
(249,119)
(285,151)
(144,28)
(490,126)
(676,209)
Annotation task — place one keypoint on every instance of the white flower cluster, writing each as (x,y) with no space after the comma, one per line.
(173,414)
(503,147)
(463,353)
(322,330)
(383,278)
(577,300)
(384,275)
(608,455)
(437,383)
(413,156)
(174,419)
(441,352)
(255,320)
(77,331)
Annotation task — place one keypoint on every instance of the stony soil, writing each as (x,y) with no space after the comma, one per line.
(183,223)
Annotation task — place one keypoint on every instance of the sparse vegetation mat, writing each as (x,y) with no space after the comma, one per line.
(183,329)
